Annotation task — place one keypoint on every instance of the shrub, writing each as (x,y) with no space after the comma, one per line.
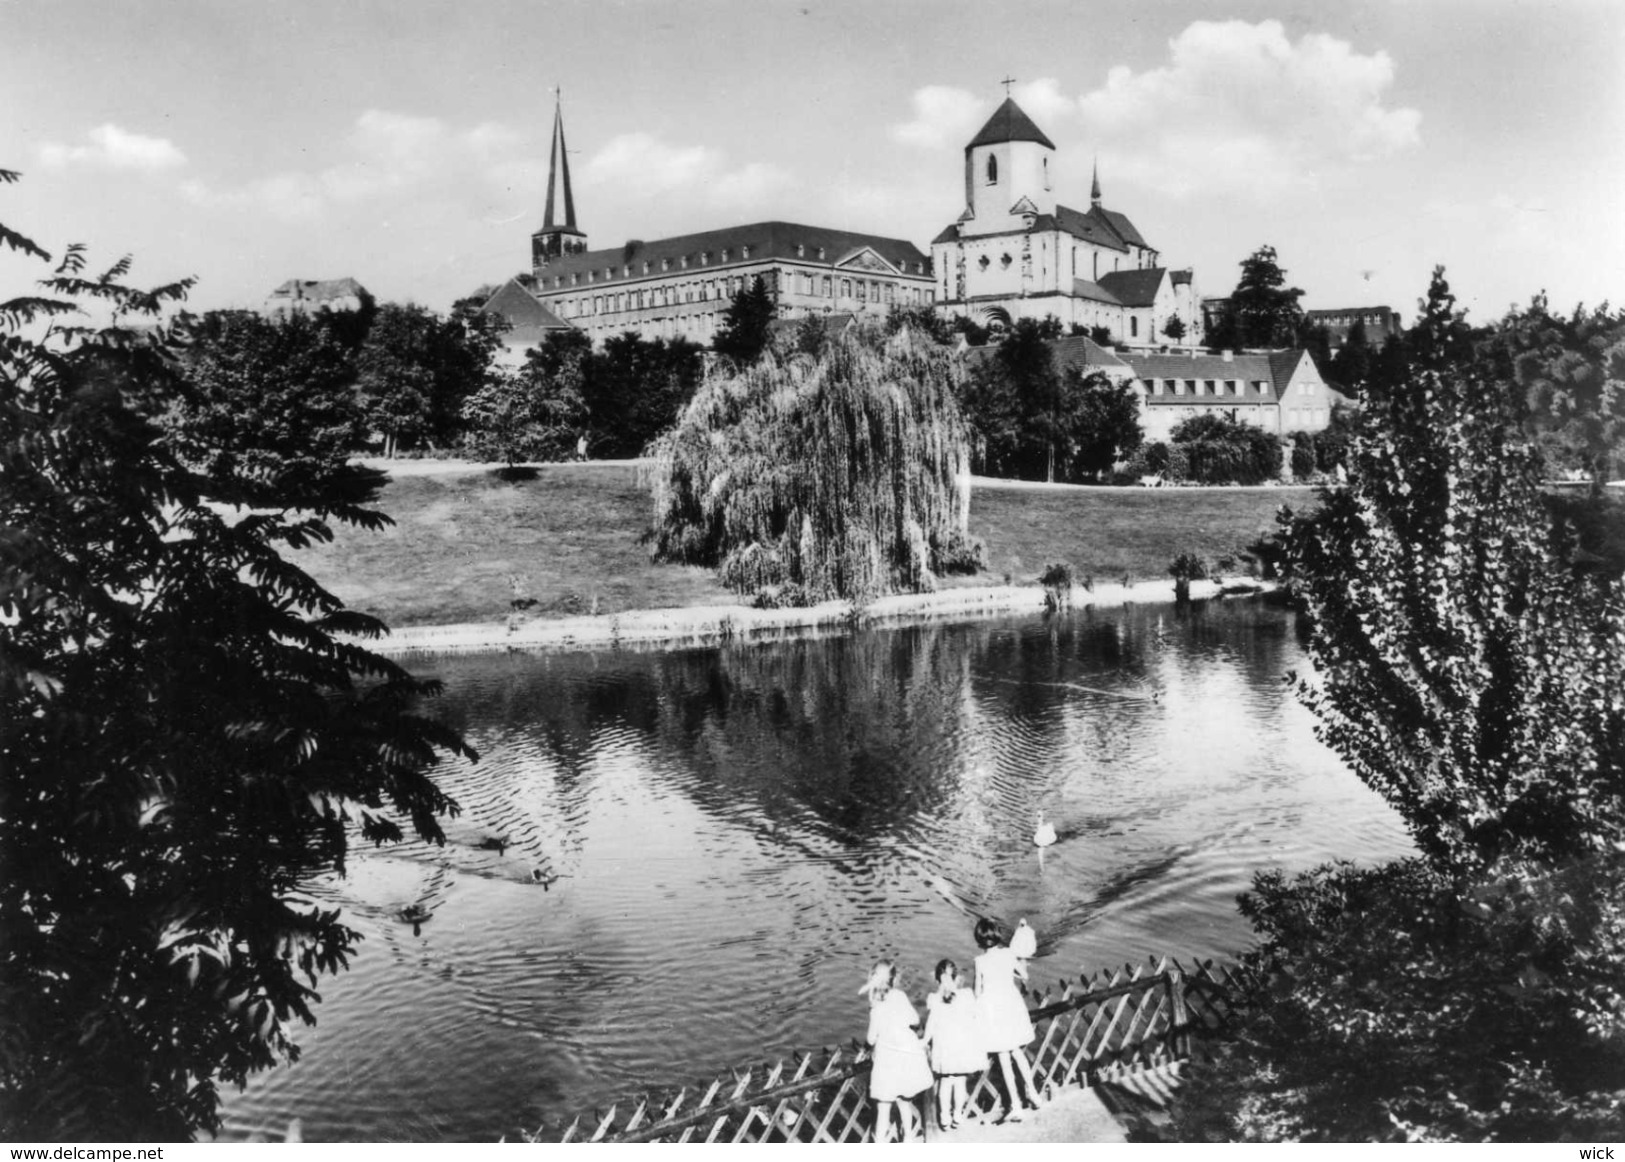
(1056,578)
(962,554)
(1220,450)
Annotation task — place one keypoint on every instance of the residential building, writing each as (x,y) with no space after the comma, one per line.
(1381,323)
(302,295)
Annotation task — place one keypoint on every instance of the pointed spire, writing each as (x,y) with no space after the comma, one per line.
(1094,188)
(559,164)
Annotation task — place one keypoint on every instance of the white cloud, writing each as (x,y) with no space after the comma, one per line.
(1043,101)
(642,163)
(115,148)
(943,116)
(390,157)
(1240,108)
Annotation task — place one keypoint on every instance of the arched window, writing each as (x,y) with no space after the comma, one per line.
(992,170)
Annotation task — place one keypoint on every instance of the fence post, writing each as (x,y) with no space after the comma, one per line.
(1179,1017)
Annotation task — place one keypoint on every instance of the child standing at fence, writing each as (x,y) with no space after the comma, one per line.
(899,1071)
(953,1037)
(1007,1028)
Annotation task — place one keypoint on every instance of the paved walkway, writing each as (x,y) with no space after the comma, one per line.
(1074,1115)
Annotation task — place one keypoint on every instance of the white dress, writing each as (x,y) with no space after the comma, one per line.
(900,1069)
(953,1033)
(1005,1022)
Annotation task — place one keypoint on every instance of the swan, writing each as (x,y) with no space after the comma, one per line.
(417,916)
(1044,833)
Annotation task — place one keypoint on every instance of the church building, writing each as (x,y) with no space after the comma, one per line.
(1017,248)
(683,286)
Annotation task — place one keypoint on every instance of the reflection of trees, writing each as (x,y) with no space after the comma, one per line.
(857,730)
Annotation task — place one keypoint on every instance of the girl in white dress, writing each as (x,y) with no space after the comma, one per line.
(953,1038)
(899,1071)
(1006,1026)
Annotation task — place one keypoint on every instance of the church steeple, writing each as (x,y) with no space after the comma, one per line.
(1094,187)
(556,239)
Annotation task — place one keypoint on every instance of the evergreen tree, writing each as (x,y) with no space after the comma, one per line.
(745,325)
(1262,311)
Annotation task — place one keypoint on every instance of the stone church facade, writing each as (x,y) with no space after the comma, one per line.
(1017,249)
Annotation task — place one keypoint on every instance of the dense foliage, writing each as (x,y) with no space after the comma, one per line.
(1392,1008)
(1470,667)
(415,371)
(1033,421)
(1262,311)
(843,475)
(186,741)
(1220,450)
(746,324)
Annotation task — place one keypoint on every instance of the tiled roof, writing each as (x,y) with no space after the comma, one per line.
(1009,123)
(1182,277)
(766,240)
(528,319)
(1082,288)
(1275,368)
(1084,353)
(1102,227)
(1134,288)
(1078,351)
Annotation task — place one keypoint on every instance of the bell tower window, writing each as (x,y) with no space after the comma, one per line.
(992,170)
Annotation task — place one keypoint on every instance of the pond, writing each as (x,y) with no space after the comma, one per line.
(706,849)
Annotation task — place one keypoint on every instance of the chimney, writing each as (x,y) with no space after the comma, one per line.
(1229,356)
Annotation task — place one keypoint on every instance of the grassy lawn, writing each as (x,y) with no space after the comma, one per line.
(1107,532)
(571,536)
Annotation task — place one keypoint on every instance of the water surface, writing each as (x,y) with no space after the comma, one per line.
(708,848)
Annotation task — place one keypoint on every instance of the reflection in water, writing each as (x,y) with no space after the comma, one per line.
(705,850)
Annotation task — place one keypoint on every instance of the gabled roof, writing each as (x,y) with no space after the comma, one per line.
(1102,227)
(1085,354)
(766,240)
(1009,123)
(1078,351)
(528,319)
(1273,367)
(1134,288)
(1082,288)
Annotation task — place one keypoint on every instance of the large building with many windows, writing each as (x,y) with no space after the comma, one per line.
(683,286)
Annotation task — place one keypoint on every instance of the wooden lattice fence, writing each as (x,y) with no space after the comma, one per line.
(1097,1029)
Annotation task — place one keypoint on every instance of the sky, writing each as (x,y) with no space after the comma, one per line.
(405,143)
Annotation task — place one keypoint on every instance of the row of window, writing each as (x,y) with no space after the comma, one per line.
(863,290)
(710,290)
(703,259)
(1202,386)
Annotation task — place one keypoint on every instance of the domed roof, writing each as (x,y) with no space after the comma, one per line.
(1009,123)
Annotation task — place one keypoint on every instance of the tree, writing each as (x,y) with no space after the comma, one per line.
(1174,328)
(187,738)
(1262,311)
(922,319)
(415,370)
(1351,366)
(1572,373)
(1468,669)
(745,331)
(1221,450)
(843,476)
(266,397)
(634,389)
(525,415)
(1105,422)
(1465,670)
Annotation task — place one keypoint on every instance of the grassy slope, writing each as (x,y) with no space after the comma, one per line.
(572,534)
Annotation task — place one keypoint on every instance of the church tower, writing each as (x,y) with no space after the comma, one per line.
(554,239)
(1007,165)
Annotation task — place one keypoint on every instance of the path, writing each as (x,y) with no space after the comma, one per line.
(1080,1115)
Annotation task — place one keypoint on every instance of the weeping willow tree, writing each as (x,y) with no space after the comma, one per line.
(844,475)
